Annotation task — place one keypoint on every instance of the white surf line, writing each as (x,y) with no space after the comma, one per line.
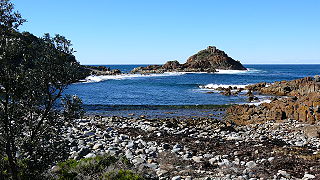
(94,78)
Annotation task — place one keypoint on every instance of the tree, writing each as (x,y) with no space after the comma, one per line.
(9,18)
(33,74)
(72,107)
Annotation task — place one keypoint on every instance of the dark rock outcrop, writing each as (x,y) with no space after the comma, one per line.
(213,58)
(298,87)
(301,102)
(100,70)
(305,109)
(207,60)
(172,65)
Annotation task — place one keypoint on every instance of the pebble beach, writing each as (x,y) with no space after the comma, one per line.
(200,148)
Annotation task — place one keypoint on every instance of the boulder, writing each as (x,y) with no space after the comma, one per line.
(256,87)
(84,151)
(226,92)
(115,71)
(172,65)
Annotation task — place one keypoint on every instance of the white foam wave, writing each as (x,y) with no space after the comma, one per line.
(249,70)
(94,78)
(216,86)
(223,71)
(260,102)
(191,72)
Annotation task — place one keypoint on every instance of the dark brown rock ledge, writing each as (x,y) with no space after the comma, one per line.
(297,99)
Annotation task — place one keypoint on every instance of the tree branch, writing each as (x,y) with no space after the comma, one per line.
(47,110)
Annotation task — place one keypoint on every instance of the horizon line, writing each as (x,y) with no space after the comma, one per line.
(243,64)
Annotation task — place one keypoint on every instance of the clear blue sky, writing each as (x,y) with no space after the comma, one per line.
(154,31)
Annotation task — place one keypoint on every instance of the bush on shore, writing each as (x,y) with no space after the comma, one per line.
(104,167)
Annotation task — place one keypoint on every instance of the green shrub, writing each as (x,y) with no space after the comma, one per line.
(95,165)
(73,108)
(67,169)
(121,175)
(103,167)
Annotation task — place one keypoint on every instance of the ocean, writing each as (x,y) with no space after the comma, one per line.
(154,92)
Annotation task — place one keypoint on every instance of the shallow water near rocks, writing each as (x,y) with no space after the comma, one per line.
(159,111)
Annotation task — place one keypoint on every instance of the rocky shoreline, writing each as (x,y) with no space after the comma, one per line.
(201,148)
(297,99)
(276,140)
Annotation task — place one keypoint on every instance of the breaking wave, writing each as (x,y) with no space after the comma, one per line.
(249,70)
(94,78)
(260,102)
(216,86)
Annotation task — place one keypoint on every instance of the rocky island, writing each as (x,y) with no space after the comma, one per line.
(207,60)
(99,70)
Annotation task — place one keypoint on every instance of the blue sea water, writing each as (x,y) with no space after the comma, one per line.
(179,88)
